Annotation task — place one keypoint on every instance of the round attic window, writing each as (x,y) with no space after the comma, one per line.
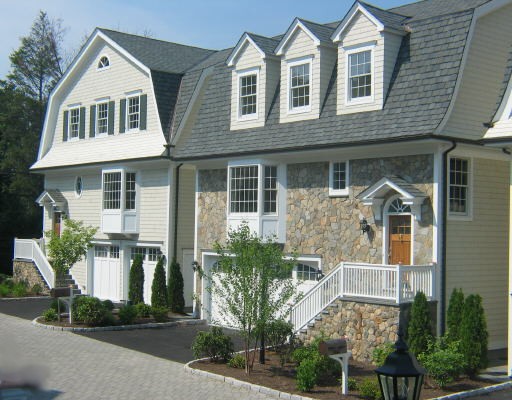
(104,62)
(78,186)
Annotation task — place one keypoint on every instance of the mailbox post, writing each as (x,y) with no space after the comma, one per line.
(337,350)
(66,294)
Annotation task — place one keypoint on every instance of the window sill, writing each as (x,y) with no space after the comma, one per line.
(460,217)
(301,110)
(360,101)
(252,117)
(339,193)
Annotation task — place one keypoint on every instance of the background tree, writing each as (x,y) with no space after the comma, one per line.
(136,281)
(419,331)
(474,335)
(454,315)
(67,249)
(253,279)
(175,288)
(158,287)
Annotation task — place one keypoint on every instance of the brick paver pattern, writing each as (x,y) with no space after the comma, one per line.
(83,368)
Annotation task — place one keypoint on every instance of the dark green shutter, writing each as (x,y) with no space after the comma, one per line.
(111,112)
(81,132)
(143,111)
(65,126)
(122,115)
(92,122)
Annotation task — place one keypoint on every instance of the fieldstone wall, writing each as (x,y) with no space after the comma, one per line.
(329,226)
(26,271)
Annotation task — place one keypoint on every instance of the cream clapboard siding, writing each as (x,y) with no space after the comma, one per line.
(501,128)
(186,213)
(392,45)
(477,250)
(153,204)
(249,58)
(300,45)
(273,75)
(361,31)
(328,57)
(84,87)
(482,76)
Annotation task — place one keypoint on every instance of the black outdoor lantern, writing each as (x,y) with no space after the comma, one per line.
(195,266)
(364,226)
(401,377)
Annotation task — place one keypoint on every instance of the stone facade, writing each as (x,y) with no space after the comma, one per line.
(26,271)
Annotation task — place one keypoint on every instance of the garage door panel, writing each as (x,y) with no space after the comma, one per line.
(107,273)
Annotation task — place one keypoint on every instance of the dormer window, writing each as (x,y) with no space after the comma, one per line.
(104,62)
(359,75)
(248,94)
(299,86)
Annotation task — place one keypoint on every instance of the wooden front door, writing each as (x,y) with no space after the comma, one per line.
(400,239)
(57,219)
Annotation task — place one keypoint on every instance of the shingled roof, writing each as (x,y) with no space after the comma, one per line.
(418,98)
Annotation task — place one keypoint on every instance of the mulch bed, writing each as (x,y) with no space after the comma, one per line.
(271,375)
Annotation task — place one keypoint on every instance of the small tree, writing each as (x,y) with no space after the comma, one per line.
(136,281)
(158,287)
(419,331)
(473,333)
(69,248)
(175,288)
(454,315)
(253,279)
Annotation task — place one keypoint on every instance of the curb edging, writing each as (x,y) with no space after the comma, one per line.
(151,325)
(476,392)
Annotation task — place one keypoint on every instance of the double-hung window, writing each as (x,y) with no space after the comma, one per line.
(300,86)
(119,188)
(102,118)
(248,95)
(360,75)
(133,113)
(338,178)
(459,187)
(74,123)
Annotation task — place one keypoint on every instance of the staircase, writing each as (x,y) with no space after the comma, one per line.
(67,281)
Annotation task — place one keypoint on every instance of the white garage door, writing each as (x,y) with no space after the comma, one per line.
(150,258)
(107,273)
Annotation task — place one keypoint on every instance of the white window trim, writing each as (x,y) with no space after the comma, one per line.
(289,65)
(239,75)
(96,118)
(123,172)
(72,108)
(468,215)
(98,68)
(339,192)
(127,125)
(360,100)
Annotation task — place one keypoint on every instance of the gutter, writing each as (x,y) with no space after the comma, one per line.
(176,202)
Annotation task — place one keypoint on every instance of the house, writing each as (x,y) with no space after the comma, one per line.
(105,161)
(365,146)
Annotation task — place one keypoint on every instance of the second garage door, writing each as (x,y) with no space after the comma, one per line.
(107,273)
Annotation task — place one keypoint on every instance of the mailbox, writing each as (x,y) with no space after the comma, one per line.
(60,292)
(333,346)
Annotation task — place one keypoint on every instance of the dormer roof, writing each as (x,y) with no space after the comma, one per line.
(384,20)
(53,197)
(264,45)
(320,34)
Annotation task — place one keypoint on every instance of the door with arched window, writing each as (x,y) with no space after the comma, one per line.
(400,233)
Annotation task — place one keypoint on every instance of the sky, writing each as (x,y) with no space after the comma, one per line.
(212,24)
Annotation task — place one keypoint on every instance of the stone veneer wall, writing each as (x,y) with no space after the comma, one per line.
(329,226)
(28,272)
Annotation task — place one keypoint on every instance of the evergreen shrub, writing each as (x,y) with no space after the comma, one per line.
(307,375)
(175,288)
(136,281)
(474,335)
(127,314)
(143,310)
(158,287)
(90,311)
(160,314)
(419,331)
(454,315)
(215,345)
(50,315)
(443,361)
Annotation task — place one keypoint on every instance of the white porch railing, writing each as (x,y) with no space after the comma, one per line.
(396,283)
(29,249)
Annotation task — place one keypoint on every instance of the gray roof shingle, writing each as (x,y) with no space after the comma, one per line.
(322,32)
(389,19)
(266,44)
(432,8)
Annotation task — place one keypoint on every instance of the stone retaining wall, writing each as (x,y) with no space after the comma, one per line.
(26,271)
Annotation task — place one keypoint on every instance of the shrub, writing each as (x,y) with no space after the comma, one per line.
(36,289)
(19,289)
(352,383)
(158,287)
(5,290)
(214,344)
(454,315)
(74,307)
(474,336)
(63,307)
(136,281)
(127,314)
(175,288)
(50,315)
(237,361)
(160,314)
(90,310)
(277,333)
(324,365)
(307,375)
(4,277)
(369,389)
(143,310)
(419,331)
(380,353)
(109,306)
(443,361)
(108,319)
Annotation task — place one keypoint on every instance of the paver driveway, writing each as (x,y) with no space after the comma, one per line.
(77,367)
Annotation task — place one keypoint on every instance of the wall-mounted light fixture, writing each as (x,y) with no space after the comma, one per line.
(195,266)
(319,275)
(364,226)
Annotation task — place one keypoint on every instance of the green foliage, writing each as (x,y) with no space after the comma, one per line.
(19,289)
(237,361)
(474,335)
(143,310)
(108,319)
(109,306)
(90,310)
(214,344)
(160,314)
(306,375)
(136,281)
(253,281)
(369,389)
(277,333)
(352,383)
(175,288)
(419,331)
(63,306)
(127,314)
(36,289)
(50,315)
(443,361)
(380,353)
(5,289)
(323,365)
(4,277)
(158,287)
(454,315)
(69,248)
